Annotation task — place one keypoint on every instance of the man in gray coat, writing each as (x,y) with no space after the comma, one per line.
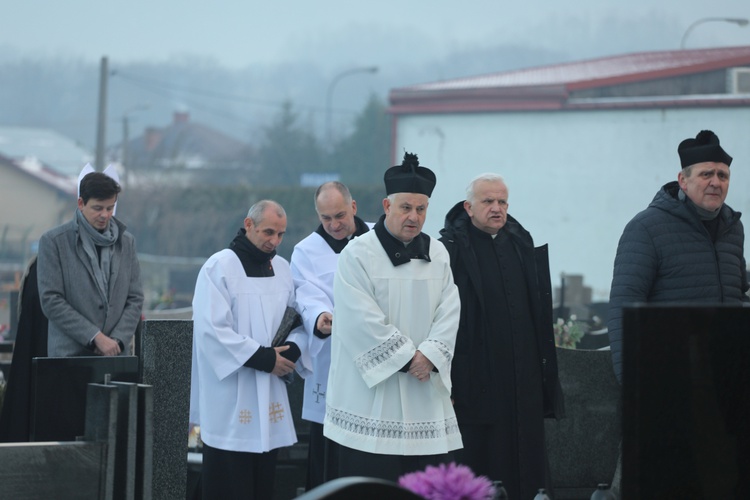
(89,277)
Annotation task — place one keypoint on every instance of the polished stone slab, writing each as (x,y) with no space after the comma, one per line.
(144,461)
(166,356)
(70,470)
(126,447)
(583,447)
(59,388)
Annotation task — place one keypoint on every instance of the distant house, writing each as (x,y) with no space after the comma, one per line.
(184,152)
(43,145)
(38,172)
(583,146)
(33,199)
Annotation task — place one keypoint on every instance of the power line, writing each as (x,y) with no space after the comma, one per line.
(151,83)
(165,91)
(171,90)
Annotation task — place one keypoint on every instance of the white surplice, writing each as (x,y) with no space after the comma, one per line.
(383,315)
(239,408)
(313,267)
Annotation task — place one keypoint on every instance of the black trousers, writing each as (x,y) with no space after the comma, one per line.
(322,458)
(489,451)
(237,475)
(390,467)
(486,452)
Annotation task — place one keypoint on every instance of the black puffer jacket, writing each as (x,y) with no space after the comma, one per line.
(466,274)
(666,254)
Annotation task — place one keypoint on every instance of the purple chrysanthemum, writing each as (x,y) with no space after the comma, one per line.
(448,482)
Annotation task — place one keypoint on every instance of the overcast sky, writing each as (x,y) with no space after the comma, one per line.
(337,33)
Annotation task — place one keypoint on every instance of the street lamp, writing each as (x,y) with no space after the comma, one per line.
(329,94)
(739,21)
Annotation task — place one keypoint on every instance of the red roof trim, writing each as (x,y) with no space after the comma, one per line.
(715,65)
(437,107)
(548,87)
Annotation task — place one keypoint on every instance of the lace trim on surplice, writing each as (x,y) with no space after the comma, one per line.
(375,428)
(443,349)
(381,353)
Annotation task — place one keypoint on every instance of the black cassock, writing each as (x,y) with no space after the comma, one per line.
(31,342)
(504,422)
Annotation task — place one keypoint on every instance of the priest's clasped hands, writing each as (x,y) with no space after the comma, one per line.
(421,367)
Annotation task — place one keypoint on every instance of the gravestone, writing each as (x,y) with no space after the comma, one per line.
(127,433)
(583,446)
(166,359)
(144,460)
(100,464)
(686,397)
(71,469)
(120,415)
(166,353)
(102,401)
(59,389)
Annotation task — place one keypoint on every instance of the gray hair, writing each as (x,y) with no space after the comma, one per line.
(486,177)
(688,171)
(338,186)
(256,212)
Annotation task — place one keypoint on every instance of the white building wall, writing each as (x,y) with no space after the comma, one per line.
(575,178)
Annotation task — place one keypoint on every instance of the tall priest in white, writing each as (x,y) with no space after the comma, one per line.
(314,261)
(397,312)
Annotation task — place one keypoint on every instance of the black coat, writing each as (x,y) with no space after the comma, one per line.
(466,373)
(31,342)
(666,254)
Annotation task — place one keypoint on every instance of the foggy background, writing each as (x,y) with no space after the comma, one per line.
(231,64)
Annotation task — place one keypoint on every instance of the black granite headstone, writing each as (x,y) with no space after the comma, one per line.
(686,398)
(127,428)
(70,470)
(166,356)
(101,426)
(582,447)
(58,398)
(144,462)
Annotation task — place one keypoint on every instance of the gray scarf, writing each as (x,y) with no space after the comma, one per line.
(703,214)
(100,261)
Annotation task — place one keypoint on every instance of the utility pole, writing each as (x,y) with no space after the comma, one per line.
(125,161)
(125,139)
(101,125)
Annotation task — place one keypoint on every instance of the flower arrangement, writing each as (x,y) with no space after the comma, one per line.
(568,333)
(448,482)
